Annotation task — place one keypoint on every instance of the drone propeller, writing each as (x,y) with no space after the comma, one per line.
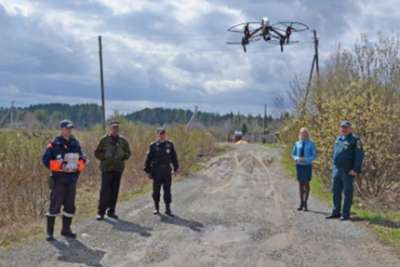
(294,26)
(239,28)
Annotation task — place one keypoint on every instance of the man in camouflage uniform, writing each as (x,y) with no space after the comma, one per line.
(160,162)
(112,151)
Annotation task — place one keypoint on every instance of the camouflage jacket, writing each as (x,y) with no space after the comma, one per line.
(112,152)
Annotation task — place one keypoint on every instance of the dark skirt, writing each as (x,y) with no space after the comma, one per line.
(304,172)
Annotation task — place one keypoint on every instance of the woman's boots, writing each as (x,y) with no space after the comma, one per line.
(303,206)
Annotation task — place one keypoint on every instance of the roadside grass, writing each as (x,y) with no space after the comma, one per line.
(385,223)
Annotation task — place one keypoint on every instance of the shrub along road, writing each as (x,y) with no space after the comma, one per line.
(239,211)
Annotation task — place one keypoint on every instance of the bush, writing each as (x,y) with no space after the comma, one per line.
(358,86)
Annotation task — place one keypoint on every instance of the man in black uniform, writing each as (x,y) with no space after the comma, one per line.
(64,158)
(160,162)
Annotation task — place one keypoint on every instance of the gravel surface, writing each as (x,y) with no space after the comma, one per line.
(240,211)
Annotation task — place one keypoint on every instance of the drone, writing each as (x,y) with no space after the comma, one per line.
(279,33)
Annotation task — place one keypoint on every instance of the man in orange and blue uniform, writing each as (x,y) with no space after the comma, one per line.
(66,161)
(348,156)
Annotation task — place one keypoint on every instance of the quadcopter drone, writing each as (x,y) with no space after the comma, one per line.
(278,33)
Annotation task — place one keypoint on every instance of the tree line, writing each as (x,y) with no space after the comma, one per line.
(49,115)
(88,115)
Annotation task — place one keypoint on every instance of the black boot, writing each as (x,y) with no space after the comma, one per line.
(168,210)
(66,227)
(112,215)
(156,208)
(50,228)
(301,206)
(305,206)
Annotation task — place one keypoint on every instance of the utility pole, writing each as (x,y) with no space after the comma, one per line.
(12,114)
(316,54)
(102,83)
(315,64)
(239,120)
(265,119)
(193,118)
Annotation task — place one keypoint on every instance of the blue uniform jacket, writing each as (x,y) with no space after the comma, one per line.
(348,153)
(56,151)
(310,152)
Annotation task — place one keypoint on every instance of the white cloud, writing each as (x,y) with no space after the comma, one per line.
(167,51)
(18,7)
(219,86)
(120,7)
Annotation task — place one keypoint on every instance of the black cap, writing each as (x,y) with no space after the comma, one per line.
(161,130)
(345,124)
(114,123)
(66,124)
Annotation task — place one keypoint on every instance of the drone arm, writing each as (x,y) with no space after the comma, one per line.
(277,32)
(255,31)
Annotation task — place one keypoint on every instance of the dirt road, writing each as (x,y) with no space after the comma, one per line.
(240,211)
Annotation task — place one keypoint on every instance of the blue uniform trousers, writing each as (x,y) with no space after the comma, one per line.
(342,182)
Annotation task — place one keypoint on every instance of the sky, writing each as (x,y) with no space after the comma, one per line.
(169,53)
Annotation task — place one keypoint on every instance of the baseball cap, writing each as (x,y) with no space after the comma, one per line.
(114,123)
(345,124)
(161,130)
(66,124)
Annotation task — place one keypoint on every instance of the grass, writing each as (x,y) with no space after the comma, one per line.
(386,224)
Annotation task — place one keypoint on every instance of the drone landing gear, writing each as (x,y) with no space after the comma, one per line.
(282,43)
(245,42)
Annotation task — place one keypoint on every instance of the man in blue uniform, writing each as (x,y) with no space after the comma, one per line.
(348,156)
(160,162)
(65,160)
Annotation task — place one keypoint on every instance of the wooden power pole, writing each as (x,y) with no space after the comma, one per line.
(265,119)
(102,83)
(314,65)
(12,114)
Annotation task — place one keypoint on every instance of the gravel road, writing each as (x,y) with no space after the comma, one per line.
(240,211)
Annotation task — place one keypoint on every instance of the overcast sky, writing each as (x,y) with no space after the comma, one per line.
(169,53)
